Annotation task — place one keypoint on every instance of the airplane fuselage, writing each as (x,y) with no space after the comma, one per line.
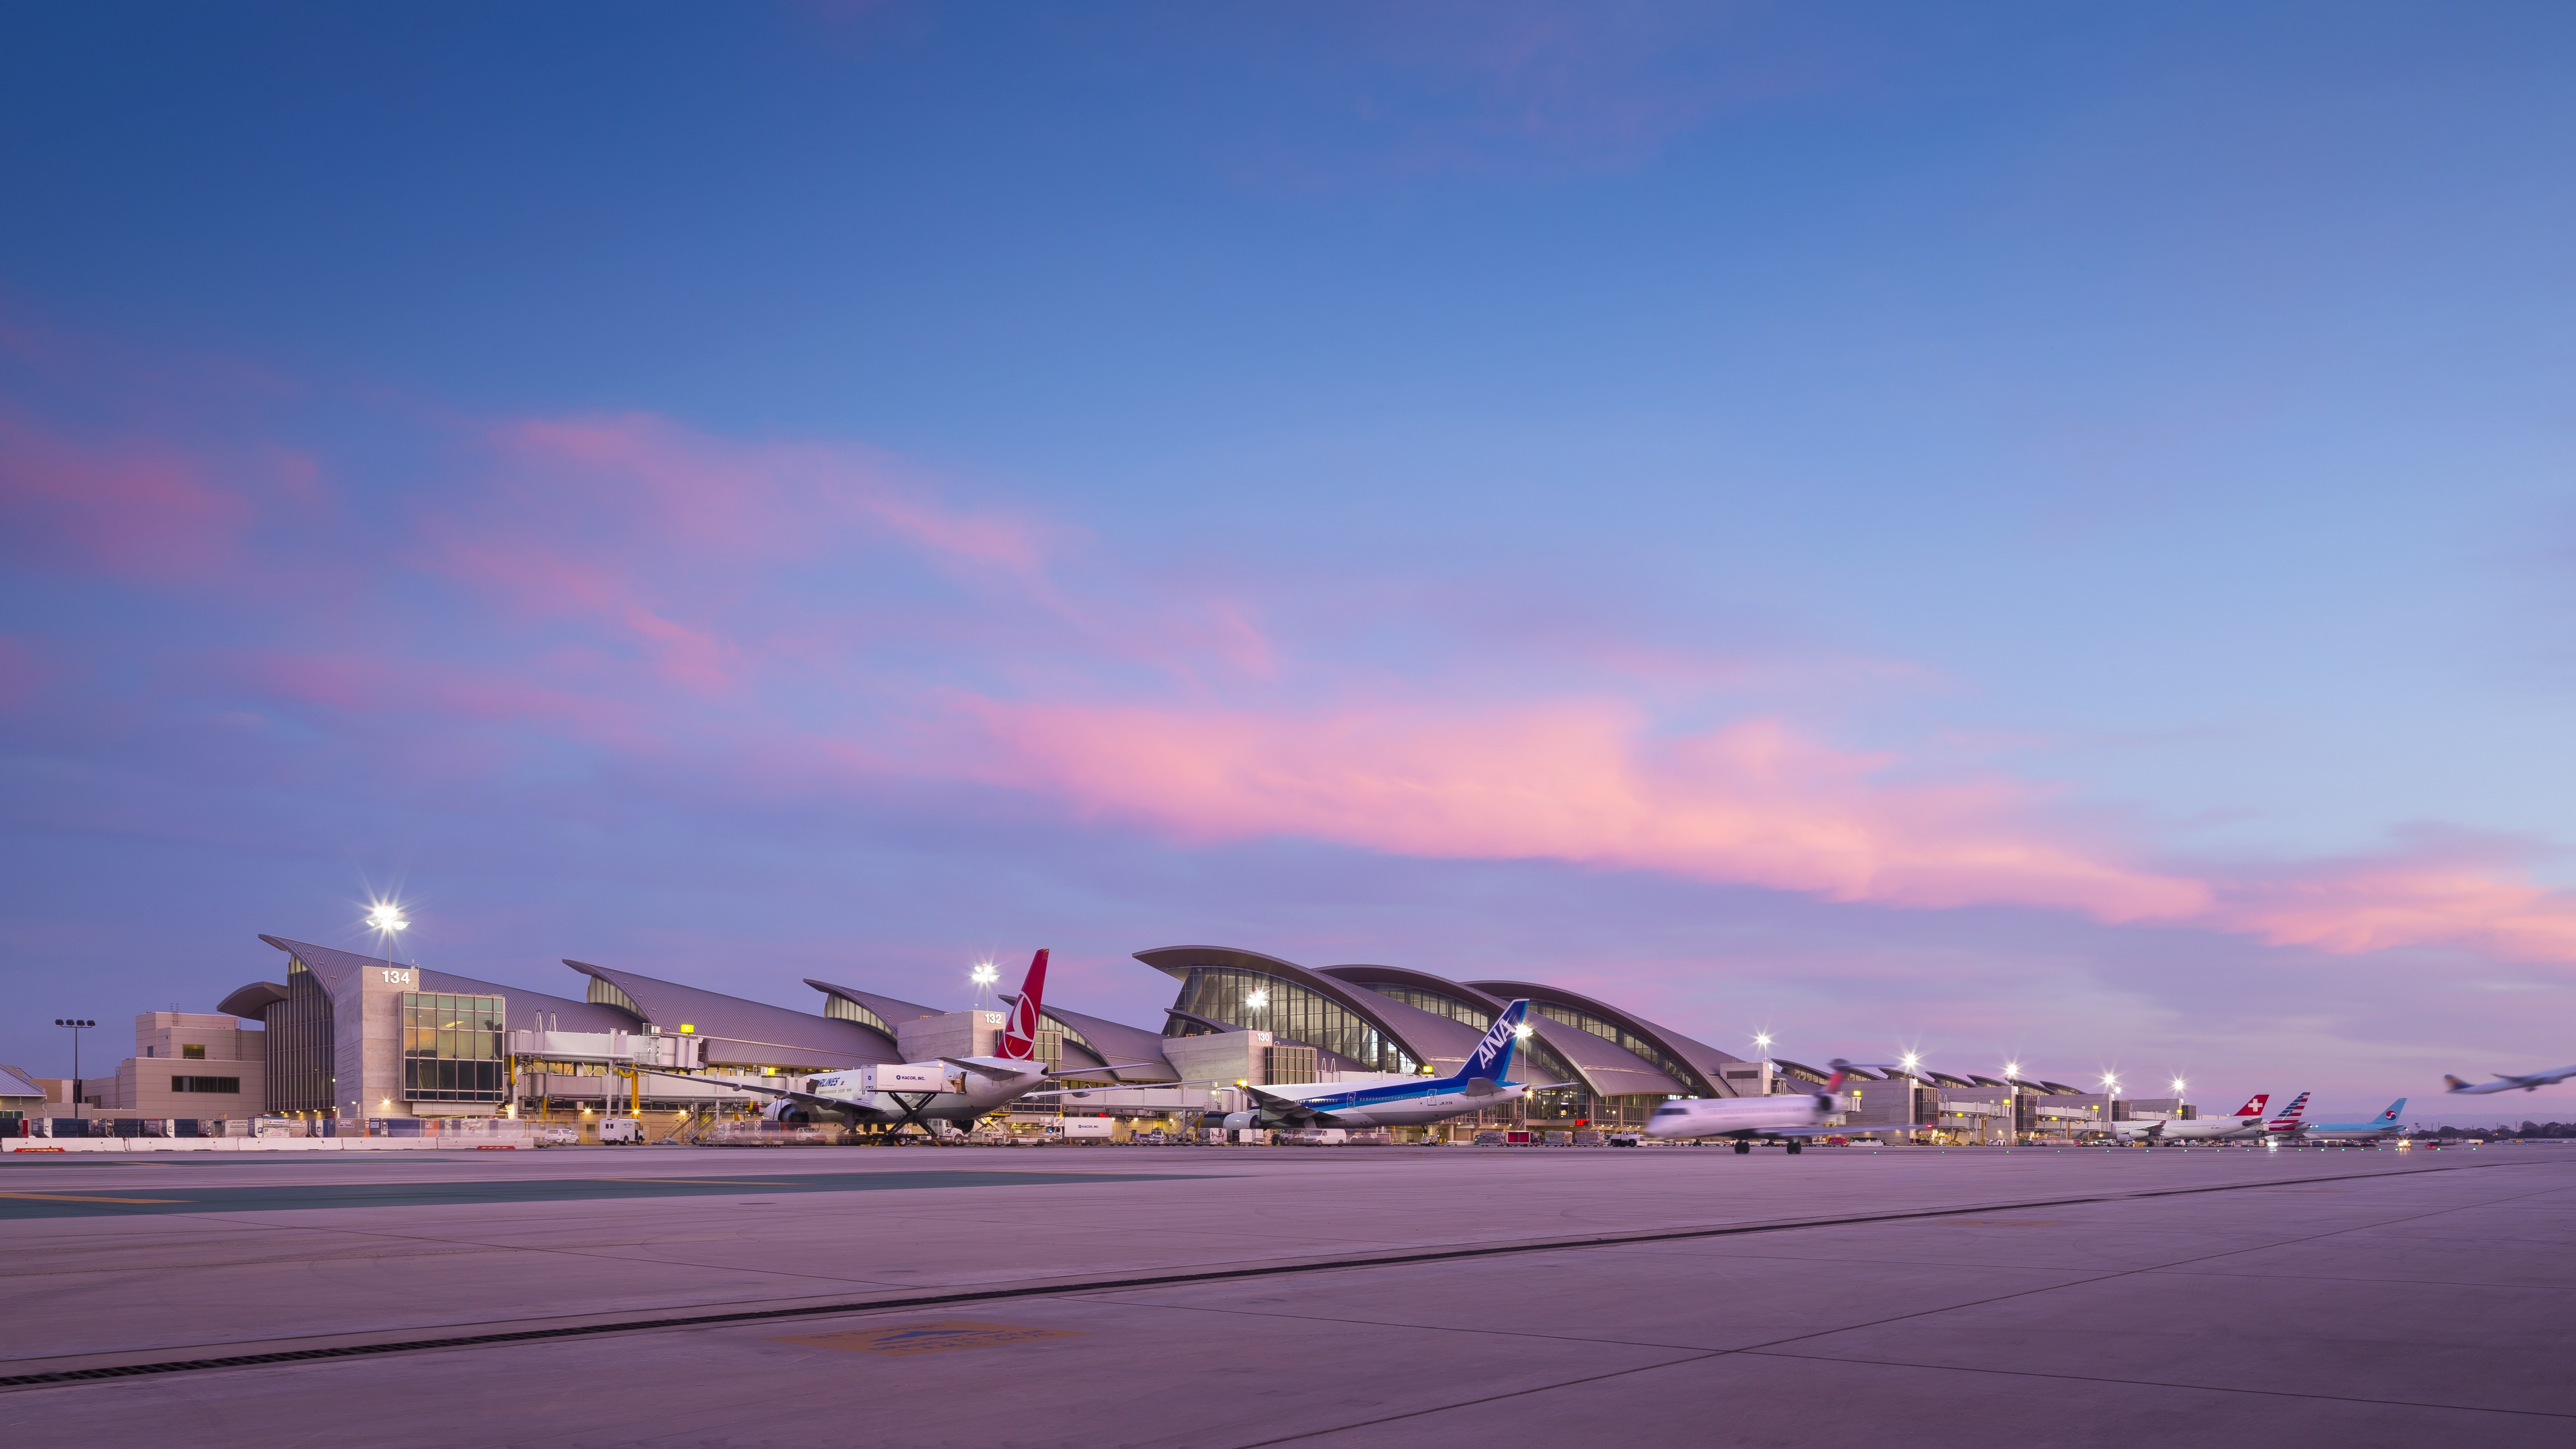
(919,1091)
(1745,1116)
(2173,1129)
(1395,1103)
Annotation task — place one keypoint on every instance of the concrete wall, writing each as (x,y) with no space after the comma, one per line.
(162,1040)
(1220,1057)
(366,1024)
(957,1034)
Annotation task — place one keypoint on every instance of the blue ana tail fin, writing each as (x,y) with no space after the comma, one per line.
(1492,1058)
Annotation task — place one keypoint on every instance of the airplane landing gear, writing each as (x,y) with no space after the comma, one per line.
(1797,1146)
(1743,1147)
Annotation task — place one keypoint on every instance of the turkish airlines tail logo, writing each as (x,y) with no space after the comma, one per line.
(1020,1038)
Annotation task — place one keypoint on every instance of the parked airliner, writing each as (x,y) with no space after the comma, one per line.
(2379,1126)
(1478,1086)
(950,1090)
(1789,1116)
(2245,1121)
(2506,1083)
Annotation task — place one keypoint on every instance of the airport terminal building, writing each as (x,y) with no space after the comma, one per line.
(352,1038)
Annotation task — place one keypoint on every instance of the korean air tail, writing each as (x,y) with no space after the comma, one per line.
(2389,1117)
(1019,1041)
(1492,1058)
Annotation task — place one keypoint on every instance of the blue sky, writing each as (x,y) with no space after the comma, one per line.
(2038,531)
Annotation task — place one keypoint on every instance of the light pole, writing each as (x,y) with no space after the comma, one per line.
(1913,1103)
(76,1024)
(387,919)
(984,975)
(2110,1104)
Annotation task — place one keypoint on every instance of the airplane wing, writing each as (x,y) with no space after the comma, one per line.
(1113,1067)
(1290,1108)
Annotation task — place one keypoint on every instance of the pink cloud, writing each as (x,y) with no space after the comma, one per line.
(138,511)
(2411,899)
(759,499)
(1753,804)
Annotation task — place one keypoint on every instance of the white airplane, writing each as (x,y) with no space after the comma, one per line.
(952,1090)
(1791,1117)
(2379,1126)
(2244,1121)
(1401,1101)
(2507,1083)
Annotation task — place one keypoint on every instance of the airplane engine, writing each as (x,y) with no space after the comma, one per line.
(791,1112)
(1238,1121)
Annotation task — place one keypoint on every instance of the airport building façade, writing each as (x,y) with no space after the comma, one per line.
(347,1036)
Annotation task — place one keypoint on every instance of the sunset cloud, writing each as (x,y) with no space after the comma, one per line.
(614,585)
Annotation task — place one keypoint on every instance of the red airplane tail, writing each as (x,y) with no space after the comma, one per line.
(1020,1037)
(2253,1105)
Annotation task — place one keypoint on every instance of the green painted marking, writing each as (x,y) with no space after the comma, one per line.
(307,1196)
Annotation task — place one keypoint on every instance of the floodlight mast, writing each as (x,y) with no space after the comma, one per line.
(77,1025)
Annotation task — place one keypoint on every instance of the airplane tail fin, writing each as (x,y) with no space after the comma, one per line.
(2393,1109)
(1492,1058)
(1020,1037)
(2290,1115)
(2254,1105)
(2455,1083)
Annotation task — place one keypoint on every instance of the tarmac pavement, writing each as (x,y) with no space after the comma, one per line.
(1235,1297)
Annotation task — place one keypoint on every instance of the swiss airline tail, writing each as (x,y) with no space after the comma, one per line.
(2253,1105)
(1020,1038)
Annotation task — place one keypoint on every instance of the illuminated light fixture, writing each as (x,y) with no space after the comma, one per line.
(1762,1042)
(687,1027)
(386,916)
(1523,1031)
(2177,1086)
(2012,1071)
(985,974)
(1257,1000)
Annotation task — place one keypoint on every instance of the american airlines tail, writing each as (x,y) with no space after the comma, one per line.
(1020,1038)
(2288,1121)
(1492,1058)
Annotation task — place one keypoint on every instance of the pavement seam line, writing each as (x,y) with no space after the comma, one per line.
(1759,1350)
(1034,1290)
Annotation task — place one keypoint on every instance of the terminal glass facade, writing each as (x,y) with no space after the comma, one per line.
(1433,1001)
(453,1048)
(1665,1062)
(299,1045)
(604,992)
(842,1008)
(1292,1013)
